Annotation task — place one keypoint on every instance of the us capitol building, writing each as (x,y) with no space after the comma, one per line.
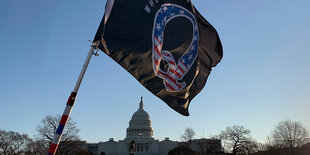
(141,132)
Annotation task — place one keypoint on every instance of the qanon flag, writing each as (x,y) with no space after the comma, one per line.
(165,44)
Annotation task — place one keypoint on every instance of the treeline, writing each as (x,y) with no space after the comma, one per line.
(287,138)
(14,143)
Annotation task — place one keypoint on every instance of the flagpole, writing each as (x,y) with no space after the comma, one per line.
(66,114)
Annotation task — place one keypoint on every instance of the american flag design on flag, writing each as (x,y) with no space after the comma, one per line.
(167,45)
(176,70)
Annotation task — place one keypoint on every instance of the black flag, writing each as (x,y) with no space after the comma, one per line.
(165,44)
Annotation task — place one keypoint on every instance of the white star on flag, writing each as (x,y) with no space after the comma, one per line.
(192,48)
(158,26)
(195,28)
(195,37)
(181,11)
(165,19)
(190,57)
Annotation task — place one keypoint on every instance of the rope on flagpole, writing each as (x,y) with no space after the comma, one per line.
(71,100)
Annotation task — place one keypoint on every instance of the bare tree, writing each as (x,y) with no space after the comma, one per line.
(12,143)
(46,131)
(249,146)
(188,134)
(289,134)
(37,147)
(237,140)
(49,126)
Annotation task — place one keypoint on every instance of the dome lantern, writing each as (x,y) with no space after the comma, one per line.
(141,103)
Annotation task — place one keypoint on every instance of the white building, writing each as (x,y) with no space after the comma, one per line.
(139,131)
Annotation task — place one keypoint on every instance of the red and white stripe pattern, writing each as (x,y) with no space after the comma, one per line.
(173,74)
(157,55)
(64,119)
(170,77)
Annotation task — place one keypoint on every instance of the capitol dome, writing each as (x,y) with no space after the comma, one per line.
(140,124)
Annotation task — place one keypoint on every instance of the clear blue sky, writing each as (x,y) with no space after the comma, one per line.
(262,79)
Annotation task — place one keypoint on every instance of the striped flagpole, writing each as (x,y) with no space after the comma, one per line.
(66,114)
